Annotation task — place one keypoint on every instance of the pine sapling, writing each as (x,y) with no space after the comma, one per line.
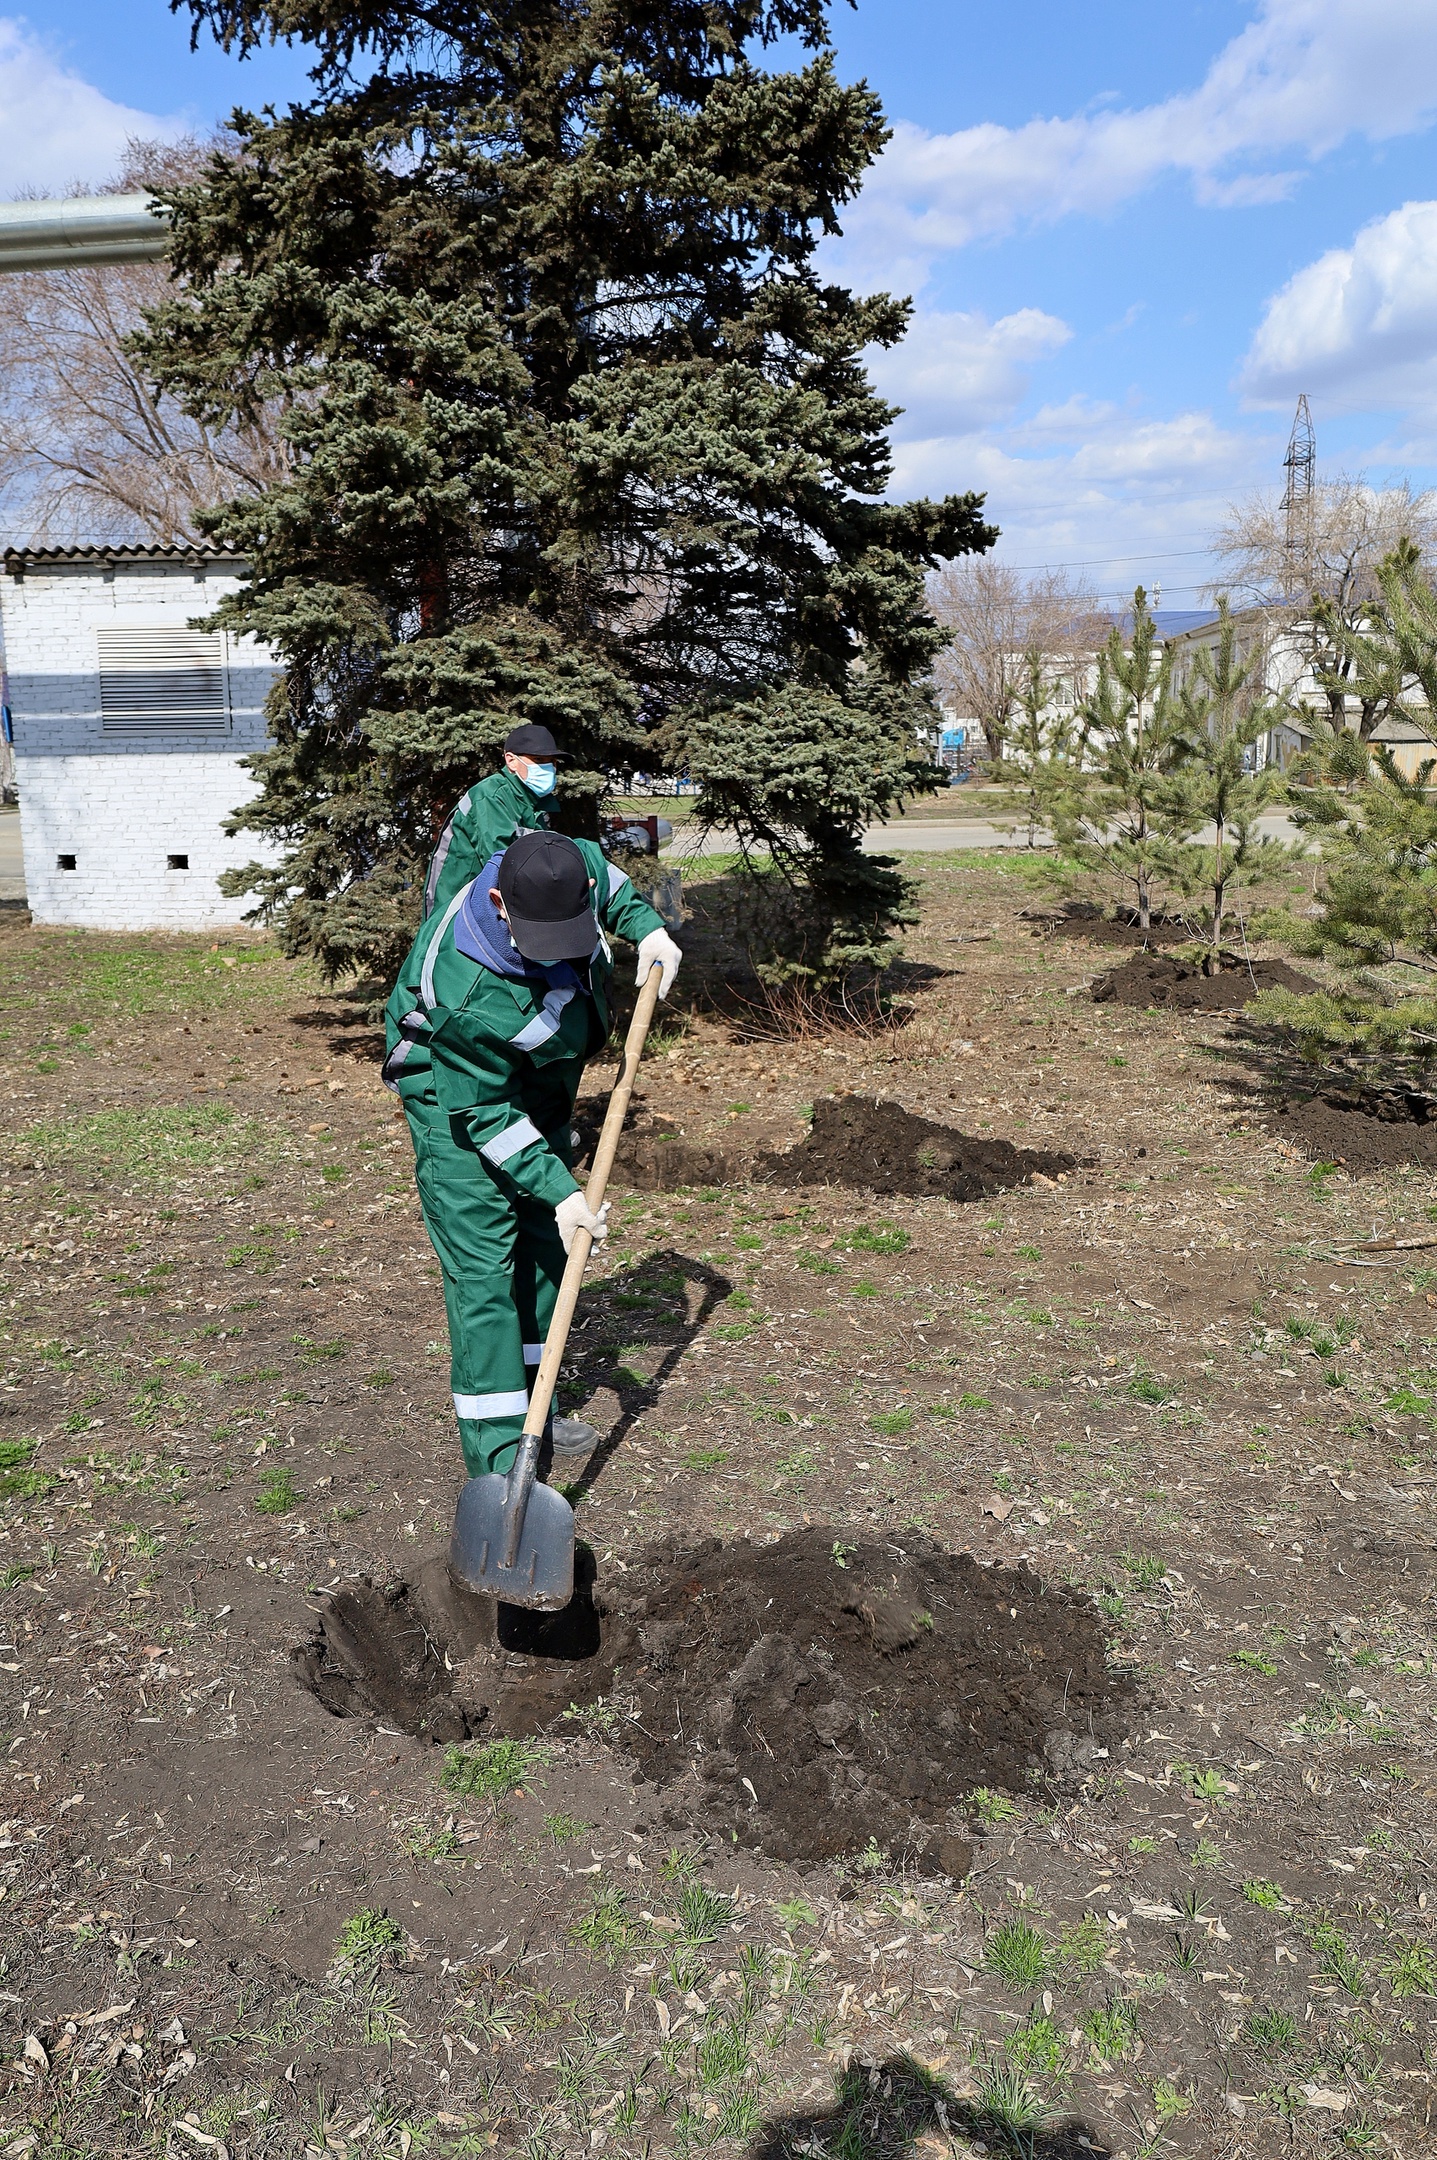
(1126,821)
(1224,715)
(1376,918)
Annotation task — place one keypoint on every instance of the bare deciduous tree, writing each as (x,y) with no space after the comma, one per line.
(1324,586)
(998,617)
(88,451)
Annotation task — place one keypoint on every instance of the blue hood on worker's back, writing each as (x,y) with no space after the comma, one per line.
(481,933)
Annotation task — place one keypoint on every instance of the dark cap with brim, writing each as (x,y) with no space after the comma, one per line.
(544,884)
(535,742)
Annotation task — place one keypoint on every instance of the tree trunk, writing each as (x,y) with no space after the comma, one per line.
(1219,895)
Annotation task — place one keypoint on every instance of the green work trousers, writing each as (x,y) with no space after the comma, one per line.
(502,1260)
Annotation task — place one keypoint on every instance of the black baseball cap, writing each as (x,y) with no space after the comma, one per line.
(533,741)
(544,884)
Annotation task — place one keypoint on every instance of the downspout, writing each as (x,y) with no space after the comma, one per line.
(81,232)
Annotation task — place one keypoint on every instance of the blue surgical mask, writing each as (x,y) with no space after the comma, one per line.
(540,779)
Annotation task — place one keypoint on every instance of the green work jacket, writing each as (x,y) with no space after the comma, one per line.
(507,1056)
(488,817)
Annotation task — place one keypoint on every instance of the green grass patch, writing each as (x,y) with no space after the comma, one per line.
(1112,2030)
(153,1143)
(19,1480)
(369,1938)
(1270,2031)
(492,1771)
(1411,1969)
(1017,1953)
(885,1238)
(276,1494)
(608,1929)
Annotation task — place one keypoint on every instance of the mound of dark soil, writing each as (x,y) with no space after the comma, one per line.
(821,1704)
(1182,986)
(858,1140)
(1359,1132)
(807,1696)
(1081,919)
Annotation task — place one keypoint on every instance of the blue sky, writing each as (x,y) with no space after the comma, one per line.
(1132,234)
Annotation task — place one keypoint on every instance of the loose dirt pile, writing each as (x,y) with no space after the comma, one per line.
(1359,1133)
(1181,986)
(1081,919)
(808,1696)
(859,1140)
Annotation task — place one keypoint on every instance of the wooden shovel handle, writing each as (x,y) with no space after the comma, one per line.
(556,1341)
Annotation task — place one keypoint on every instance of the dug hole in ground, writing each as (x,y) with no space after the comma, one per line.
(996,1712)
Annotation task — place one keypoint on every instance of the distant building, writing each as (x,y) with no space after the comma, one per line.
(129,726)
(1286,671)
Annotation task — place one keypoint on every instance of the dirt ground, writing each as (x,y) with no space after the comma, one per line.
(302,1855)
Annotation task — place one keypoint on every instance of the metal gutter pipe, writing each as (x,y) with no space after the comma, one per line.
(80,232)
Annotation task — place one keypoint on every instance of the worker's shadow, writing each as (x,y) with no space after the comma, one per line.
(881,2111)
(633,1330)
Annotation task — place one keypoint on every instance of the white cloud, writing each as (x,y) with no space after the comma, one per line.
(1085,483)
(1359,325)
(55,128)
(1302,77)
(956,372)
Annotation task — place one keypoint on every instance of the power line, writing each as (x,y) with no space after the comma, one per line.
(1096,562)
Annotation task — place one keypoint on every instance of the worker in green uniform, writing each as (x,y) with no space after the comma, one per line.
(494,812)
(502,1001)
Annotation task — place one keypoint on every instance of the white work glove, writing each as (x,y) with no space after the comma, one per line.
(658,945)
(574,1214)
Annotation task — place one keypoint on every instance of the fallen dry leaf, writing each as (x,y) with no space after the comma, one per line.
(1324,2096)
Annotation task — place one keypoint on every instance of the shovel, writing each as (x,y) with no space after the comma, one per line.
(514,1539)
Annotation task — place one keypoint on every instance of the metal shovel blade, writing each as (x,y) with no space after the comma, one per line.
(541,1573)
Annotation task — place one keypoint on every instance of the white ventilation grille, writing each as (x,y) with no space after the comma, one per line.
(163,682)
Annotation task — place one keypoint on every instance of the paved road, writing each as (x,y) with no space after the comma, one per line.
(12,865)
(937,836)
(904,835)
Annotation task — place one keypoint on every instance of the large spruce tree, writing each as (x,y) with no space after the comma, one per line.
(578,435)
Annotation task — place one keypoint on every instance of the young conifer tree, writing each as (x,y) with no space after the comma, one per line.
(1044,741)
(1224,713)
(578,432)
(1377,831)
(1127,822)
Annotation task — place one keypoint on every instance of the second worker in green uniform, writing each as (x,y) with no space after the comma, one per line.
(501,1003)
(493,812)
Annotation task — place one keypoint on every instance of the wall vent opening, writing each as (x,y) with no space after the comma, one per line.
(64,862)
(163,682)
(178,862)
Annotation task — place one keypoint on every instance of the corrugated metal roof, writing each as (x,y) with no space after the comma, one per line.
(20,559)
(1401,727)
(1167,622)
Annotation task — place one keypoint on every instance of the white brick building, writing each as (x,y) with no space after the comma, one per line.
(129,728)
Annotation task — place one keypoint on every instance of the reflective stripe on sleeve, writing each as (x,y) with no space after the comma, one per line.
(533,1352)
(513,1403)
(617,877)
(441,856)
(392,1063)
(521,1134)
(426,980)
(544,1023)
(411,1027)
